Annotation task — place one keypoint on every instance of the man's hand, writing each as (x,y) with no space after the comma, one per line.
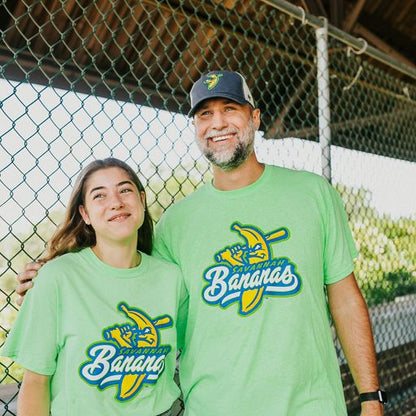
(24,280)
(372,408)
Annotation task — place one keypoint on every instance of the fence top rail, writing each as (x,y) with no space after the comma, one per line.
(356,43)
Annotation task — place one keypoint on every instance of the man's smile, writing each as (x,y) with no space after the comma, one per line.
(218,137)
(224,137)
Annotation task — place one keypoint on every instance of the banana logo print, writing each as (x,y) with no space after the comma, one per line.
(212,80)
(246,273)
(132,355)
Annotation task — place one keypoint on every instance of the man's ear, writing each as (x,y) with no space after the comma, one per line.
(256,118)
(84,214)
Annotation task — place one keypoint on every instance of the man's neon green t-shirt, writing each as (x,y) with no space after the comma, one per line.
(255,263)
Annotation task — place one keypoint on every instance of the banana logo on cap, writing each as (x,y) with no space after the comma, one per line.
(212,80)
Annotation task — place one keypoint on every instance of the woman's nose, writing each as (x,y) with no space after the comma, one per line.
(116,201)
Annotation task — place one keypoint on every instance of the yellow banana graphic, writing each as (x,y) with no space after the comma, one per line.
(212,80)
(258,249)
(131,383)
(255,241)
(142,323)
(250,299)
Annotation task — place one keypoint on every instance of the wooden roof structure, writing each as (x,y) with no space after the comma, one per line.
(128,51)
(390,26)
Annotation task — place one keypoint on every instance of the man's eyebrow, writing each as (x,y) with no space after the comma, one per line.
(224,101)
(201,106)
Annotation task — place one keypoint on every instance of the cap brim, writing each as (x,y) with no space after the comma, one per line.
(219,95)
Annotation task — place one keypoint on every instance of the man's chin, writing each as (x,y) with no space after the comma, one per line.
(229,165)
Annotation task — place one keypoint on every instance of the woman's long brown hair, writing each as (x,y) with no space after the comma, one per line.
(73,234)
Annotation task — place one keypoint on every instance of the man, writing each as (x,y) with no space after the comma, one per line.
(258,247)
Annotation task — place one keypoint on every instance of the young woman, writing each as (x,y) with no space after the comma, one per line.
(98,333)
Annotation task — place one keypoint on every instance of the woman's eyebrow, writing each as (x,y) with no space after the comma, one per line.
(97,188)
(124,183)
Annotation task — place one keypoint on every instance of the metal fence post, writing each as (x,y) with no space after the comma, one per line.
(324,114)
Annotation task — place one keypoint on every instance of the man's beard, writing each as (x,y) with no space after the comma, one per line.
(241,152)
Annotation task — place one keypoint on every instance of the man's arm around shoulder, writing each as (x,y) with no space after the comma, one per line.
(25,279)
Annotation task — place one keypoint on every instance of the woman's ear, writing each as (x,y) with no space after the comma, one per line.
(84,214)
(143,197)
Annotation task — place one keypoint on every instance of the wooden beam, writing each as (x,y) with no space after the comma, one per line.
(351,20)
(370,37)
(316,7)
(336,12)
(353,123)
(305,6)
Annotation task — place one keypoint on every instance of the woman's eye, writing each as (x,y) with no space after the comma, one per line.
(98,196)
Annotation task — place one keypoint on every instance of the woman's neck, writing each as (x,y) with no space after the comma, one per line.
(120,256)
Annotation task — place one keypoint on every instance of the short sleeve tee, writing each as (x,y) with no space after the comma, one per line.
(255,263)
(106,336)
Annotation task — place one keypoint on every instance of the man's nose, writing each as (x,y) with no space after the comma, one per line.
(219,121)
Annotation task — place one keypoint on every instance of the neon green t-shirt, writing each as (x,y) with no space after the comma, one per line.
(107,336)
(255,262)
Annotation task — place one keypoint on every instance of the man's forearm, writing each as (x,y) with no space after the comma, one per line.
(352,322)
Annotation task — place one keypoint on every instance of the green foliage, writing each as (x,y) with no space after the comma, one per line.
(162,194)
(18,250)
(386,266)
(392,285)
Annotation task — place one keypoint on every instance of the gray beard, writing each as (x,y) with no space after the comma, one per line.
(240,155)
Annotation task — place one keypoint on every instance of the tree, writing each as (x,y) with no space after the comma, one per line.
(385,268)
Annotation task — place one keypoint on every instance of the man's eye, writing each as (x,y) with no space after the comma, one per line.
(125,190)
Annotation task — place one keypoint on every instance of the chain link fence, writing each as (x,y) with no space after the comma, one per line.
(81,80)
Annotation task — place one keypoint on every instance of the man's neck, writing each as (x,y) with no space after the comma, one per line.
(244,175)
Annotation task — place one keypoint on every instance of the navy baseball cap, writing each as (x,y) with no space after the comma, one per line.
(220,84)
